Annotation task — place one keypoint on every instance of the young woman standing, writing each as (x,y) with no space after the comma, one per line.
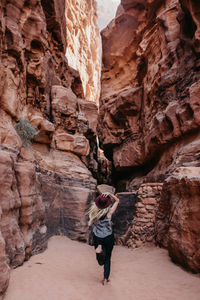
(100,214)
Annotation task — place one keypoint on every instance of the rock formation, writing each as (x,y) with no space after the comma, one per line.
(148,124)
(45,188)
(178,217)
(149,113)
(83,45)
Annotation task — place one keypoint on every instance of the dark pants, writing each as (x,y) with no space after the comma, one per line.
(107,246)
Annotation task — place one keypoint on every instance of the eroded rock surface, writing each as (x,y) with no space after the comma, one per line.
(177,226)
(149,95)
(45,188)
(83,45)
(149,112)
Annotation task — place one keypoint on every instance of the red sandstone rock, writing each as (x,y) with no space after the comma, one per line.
(104,188)
(80,115)
(104,174)
(63,101)
(178,219)
(74,188)
(142,210)
(157,56)
(149,201)
(8,134)
(75,143)
(4,268)
(43,126)
(83,45)
(149,61)
(89,111)
(43,190)
(10,204)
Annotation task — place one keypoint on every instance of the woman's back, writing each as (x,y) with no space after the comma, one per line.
(102,227)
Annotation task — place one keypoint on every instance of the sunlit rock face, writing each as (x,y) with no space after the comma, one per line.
(83,45)
(45,188)
(149,112)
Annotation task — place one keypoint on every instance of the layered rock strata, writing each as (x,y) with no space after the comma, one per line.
(45,188)
(148,92)
(83,45)
(178,217)
(149,112)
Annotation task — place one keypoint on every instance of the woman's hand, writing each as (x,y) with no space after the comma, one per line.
(112,196)
(107,194)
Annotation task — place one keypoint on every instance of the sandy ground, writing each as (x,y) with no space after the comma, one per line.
(67,270)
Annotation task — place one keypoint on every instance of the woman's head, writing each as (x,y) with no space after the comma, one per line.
(102,201)
(99,208)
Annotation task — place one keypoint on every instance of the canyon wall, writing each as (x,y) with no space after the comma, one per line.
(83,45)
(149,121)
(46,183)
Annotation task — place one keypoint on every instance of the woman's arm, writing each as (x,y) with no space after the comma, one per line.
(114,207)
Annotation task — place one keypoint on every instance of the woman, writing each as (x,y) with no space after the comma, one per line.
(100,214)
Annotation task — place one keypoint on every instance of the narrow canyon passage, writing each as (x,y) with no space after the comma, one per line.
(67,270)
(139,101)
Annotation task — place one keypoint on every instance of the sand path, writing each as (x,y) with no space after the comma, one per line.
(67,270)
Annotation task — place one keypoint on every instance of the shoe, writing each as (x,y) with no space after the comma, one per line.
(100,258)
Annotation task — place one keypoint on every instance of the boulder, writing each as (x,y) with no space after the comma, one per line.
(104,188)
(77,144)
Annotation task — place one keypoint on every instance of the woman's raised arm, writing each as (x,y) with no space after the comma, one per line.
(114,207)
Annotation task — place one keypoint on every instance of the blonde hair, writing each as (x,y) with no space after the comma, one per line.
(96,213)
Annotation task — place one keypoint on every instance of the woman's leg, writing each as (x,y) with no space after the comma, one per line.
(100,250)
(108,243)
(97,242)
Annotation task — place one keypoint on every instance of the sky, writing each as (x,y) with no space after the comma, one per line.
(106,11)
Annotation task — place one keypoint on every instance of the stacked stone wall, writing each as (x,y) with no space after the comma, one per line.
(142,229)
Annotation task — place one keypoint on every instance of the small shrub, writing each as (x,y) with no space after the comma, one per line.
(25,131)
